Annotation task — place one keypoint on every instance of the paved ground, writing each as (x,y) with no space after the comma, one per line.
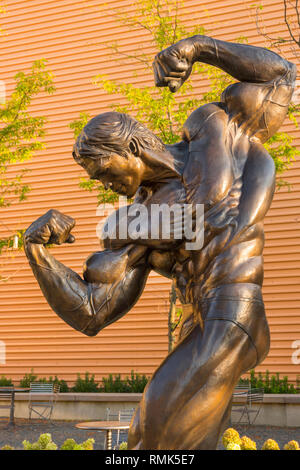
(62,430)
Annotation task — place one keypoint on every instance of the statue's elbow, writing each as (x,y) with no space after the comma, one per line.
(292,72)
(91,332)
(91,329)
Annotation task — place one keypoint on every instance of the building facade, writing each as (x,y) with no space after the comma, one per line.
(73,36)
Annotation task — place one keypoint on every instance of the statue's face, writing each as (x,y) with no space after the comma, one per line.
(122,174)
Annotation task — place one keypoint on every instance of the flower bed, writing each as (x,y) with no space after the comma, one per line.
(232,441)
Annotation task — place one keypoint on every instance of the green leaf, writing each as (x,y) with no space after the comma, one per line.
(20,132)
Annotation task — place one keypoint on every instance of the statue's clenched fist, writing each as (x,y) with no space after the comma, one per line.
(173,66)
(52,227)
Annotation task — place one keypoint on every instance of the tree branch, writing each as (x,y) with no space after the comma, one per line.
(170,120)
(286,20)
(157,9)
(175,23)
(139,58)
(297,13)
(124,19)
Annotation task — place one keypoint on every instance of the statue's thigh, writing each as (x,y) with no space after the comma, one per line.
(189,393)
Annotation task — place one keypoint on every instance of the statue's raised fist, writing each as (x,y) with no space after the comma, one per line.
(173,65)
(52,227)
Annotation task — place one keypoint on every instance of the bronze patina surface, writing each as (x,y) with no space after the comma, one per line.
(220,163)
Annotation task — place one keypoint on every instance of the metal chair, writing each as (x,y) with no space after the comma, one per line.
(239,395)
(7,395)
(124,415)
(253,402)
(240,391)
(42,398)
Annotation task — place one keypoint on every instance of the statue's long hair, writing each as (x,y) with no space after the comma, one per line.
(114,132)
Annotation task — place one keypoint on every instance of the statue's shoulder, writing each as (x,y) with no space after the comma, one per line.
(208,174)
(210,117)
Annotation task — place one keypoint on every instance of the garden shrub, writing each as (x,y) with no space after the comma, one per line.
(270,444)
(136,383)
(270,384)
(232,441)
(123,446)
(70,444)
(233,446)
(247,444)
(31,377)
(4,382)
(45,443)
(86,385)
(27,379)
(292,445)
(62,383)
(231,436)
(114,384)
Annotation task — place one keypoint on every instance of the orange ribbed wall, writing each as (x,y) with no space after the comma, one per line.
(71,35)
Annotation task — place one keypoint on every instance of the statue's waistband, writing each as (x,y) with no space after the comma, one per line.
(235,291)
(238,295)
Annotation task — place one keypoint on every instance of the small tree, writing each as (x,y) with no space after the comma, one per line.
(162,111)
(20,136)
(291,18)
(280,145)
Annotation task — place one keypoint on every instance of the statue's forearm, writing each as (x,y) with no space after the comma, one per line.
(243,62)
(64,290)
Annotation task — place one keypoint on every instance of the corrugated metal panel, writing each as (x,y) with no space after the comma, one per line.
(71,35)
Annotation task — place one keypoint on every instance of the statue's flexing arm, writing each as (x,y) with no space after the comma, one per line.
(112,283)
(245,63)
(249,113)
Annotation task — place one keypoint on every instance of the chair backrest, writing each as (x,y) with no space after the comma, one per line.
(255,395)
(241,391)
(242,388)
(126,415)
(122,415)
(40,388)
(6,393)
(112,415)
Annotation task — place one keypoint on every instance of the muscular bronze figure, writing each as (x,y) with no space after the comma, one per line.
(220,163)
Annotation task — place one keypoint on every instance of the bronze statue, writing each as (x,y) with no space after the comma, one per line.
(220,163)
